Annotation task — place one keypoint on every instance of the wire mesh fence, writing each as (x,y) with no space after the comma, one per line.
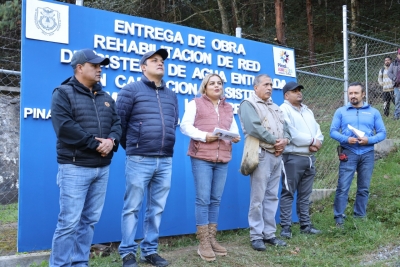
(323,96)
(324,93)
(367,59)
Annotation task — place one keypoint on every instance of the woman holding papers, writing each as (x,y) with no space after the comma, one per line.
(209,155)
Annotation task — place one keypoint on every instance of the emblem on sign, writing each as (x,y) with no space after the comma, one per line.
(47,20)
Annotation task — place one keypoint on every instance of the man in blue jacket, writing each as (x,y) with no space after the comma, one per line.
(88,130)
(357,150)
(149,116)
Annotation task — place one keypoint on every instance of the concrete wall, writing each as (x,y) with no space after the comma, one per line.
(9,144)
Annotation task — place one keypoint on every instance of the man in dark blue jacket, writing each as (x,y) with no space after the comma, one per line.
(149,116)
(88,130)
(357,127)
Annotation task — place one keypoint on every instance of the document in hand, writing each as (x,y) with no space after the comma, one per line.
(357,132)
(224,134)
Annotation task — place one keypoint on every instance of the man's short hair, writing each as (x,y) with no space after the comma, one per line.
(389,57)
(357,84)
(257,79)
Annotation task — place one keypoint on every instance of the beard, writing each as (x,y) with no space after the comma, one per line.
(354,101)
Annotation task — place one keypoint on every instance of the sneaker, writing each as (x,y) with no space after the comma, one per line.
(129,261)
(154,259)
(275,242)
(258,245)
(286,232)
(309,229)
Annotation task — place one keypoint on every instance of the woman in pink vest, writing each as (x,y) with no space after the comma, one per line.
(209,155)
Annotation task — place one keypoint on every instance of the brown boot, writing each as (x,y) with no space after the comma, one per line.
(216,247)
(205,251)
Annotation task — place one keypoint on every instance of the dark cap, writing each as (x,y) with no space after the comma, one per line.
(162,52)
(87,55)
(291,86)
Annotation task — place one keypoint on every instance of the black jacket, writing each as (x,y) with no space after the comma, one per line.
(149,116)
(78,116)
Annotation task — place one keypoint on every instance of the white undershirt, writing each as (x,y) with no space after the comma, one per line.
(187,123)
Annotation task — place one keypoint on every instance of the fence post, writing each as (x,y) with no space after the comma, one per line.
(366,72)
(345,54)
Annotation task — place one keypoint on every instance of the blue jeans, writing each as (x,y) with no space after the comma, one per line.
(364,164)
(209,181)
(397,102)
(82,194)
(150,175)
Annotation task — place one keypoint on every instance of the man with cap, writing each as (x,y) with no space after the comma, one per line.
(299,161)
(88,130)
(394,74)
(263,120)
(149,116)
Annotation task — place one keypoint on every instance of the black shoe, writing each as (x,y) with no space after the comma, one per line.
(309,229)
(258,245)
(155,260)
(129,261)
(275,242)
(286,232)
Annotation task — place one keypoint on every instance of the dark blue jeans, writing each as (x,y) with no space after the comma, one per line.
(82,194)
(364,165)
(209,181)
(151,175)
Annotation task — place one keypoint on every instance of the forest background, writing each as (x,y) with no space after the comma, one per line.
(312,27)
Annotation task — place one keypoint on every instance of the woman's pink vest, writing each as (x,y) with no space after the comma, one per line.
(206,120)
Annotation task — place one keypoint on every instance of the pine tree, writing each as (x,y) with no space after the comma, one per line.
(10,15)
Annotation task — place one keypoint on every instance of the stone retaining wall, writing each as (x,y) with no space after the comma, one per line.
(9,144)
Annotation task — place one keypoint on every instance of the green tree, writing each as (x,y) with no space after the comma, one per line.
(10,15)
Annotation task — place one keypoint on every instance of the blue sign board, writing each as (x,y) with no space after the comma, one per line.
(51,33)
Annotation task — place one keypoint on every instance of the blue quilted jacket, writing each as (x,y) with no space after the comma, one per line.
(149,116)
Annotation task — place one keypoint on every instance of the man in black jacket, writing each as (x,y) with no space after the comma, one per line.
(88,130)
(149,115)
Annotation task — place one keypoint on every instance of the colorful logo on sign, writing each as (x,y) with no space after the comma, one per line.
(284,62)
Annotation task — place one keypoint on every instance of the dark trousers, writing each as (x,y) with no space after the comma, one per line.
(387,97)
(297,175)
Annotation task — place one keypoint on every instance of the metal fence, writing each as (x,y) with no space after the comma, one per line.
(325,92)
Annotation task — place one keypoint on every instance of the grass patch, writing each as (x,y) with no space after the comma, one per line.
(8,213)
(8,228)
(355,245)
